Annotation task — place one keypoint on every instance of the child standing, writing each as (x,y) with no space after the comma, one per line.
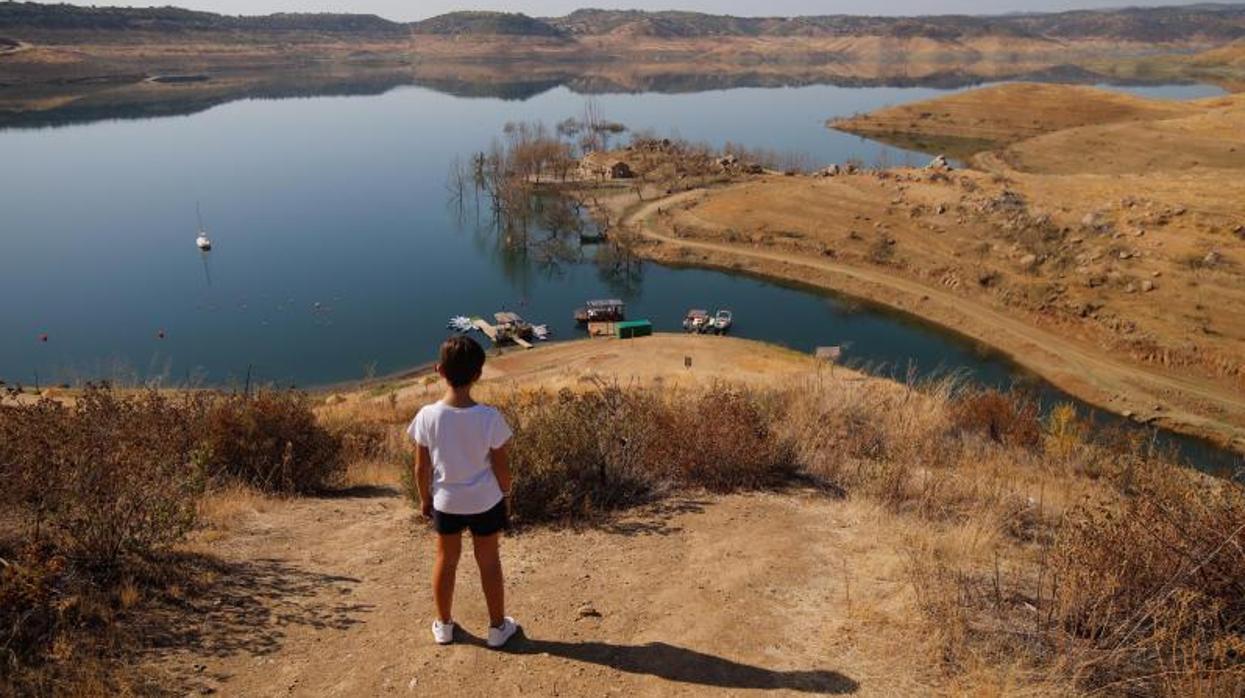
(462,471)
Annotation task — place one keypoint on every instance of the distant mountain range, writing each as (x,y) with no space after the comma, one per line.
(1208,22)
(1215,23)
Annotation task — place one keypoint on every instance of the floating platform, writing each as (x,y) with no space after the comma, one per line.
(493,334)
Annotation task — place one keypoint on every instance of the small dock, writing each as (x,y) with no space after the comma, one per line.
(492,333)
(602,329)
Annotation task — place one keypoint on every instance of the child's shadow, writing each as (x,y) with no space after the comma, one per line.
(676,664)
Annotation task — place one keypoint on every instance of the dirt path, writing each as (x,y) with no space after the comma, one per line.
(1068,364)
(676,600)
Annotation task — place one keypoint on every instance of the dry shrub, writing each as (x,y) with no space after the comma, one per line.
(877,441)
(106,476)
(270,441)
(576,455)
(724,440)
(1011,419)
(28,608)
(96,487)
(1066,432)
(89,486)
(1155,585)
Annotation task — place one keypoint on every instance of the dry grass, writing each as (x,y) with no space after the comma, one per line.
(1042,558)
(97,491)
(225,508)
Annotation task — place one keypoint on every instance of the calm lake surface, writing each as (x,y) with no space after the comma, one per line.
(338,255)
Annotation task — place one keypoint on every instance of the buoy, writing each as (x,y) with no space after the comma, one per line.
(160,334)
(43,338)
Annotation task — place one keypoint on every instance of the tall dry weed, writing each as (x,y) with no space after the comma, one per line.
(1154,583)
(271,441)
(97,486)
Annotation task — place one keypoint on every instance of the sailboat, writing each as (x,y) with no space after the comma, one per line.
(203,242)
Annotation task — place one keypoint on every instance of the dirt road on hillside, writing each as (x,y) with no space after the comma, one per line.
(698,596)
(1077,369)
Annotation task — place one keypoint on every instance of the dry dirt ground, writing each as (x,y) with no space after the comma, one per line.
(680,599)
(788,593)
(1107,258)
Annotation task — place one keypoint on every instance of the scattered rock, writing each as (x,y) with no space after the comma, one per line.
(588,611)
(940,163)
(1212,258)
(1147,286)
(1028,262)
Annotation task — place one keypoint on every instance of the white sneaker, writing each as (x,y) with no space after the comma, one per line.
(497,637)
(443,633)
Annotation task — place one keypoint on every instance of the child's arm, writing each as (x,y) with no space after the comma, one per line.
(423,478)
(500,460)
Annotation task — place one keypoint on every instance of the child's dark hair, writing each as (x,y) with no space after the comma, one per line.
(462,359)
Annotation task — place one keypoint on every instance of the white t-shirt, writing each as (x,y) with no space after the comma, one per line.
(459,439)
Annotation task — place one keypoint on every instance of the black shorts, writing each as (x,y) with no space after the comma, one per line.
(485,524)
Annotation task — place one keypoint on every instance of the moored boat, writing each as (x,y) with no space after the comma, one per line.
(612,310)
(697,320)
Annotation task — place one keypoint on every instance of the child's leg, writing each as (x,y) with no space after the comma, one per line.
(488,557)
(444,571)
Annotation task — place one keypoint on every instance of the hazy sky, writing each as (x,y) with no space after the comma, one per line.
(419,9)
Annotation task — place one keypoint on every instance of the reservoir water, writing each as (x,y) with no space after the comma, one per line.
(338,256)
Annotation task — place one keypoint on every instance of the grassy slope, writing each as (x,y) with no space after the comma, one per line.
(1114,266)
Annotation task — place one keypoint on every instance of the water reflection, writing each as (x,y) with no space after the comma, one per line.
(356,259)
(514,81)
(207,266)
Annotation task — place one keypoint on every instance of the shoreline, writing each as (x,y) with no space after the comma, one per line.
(1111,389)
